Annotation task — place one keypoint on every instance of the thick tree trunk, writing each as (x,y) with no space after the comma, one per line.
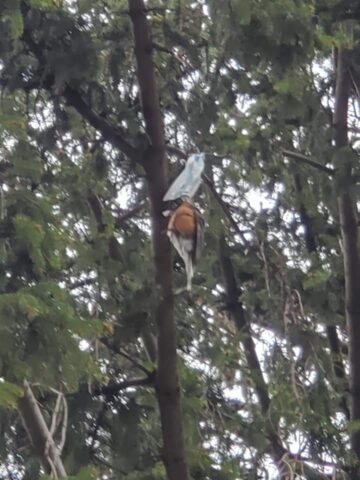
(349,235)
(155,164)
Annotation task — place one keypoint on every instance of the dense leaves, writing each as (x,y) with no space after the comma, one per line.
(262,340)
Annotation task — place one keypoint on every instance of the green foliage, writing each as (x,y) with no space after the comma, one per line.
(242,80)
(10,12)
(87,473)
(44,4)
(315,279)
(9,394)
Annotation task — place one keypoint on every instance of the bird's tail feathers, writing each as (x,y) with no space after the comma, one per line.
(189,269)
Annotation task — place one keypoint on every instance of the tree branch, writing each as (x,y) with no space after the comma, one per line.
(82,283)
(114,348)
(287,462)
(306,220)
(236,310)
(311,245)
(114,388)
(338,365)
(223,205)
(125,216)
(299,157)
(155,165)
(110,133)
(98,212)
(39,434)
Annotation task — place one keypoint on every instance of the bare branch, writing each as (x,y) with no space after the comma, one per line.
(114,246)
(113,389)
(114,348)
(299,157)
(110,133)
(82,283)
(224,206)
(39,434)
(129,214)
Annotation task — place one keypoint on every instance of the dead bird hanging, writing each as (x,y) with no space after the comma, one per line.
(186,226)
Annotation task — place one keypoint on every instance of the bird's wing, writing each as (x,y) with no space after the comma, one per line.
(199,238)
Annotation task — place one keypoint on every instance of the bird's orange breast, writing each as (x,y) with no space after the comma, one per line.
(184,220)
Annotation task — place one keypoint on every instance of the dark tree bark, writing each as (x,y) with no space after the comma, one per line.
(311,243)
(237,314)
(349,235)
(155,165)
(110,133)
(299,157)
(283,458)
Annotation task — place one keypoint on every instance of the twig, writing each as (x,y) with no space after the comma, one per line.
(286,313)
(266,267)
(118,351)
(114,388)
(64,425)
(56,414)
(129,214)
(304,159)
(224,207)
(110,133)
(96,206)
(115,135)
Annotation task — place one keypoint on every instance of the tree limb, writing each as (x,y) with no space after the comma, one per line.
(311,245)
(110,133)
(223,205)
(114,246)
(236,310)
(114,348)
(114,388)
(39,434)
(299,157)
(287,462)
(125,216)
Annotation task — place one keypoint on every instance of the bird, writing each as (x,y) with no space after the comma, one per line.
(187,183)
(186,232)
